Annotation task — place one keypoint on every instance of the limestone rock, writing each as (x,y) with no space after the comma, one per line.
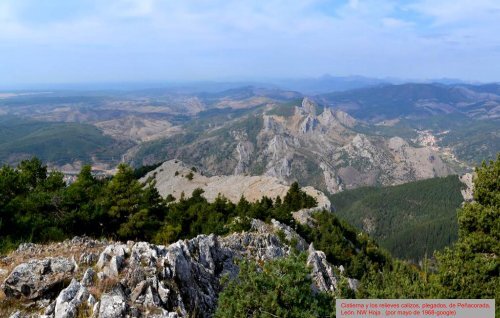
(323,275)
(88,277)
(179,280)
(38,278)
(113,304)
(111,259)
(70,299)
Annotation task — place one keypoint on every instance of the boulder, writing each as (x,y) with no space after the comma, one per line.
(113,304)
(88,277)
(70,299)
(38,278)
(111,259)
(322,274)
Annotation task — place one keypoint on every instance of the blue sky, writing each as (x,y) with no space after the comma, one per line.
(68,41)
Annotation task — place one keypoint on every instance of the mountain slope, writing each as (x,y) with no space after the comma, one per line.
(410,220)
(300,141)
(57,143)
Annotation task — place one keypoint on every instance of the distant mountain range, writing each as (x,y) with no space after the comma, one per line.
(458,123)
(418,100)
(306,85)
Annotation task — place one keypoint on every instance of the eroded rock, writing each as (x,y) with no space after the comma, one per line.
(70,299)
(38,278)
(113,304)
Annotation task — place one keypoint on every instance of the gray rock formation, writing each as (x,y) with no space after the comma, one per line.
(329,150)
(70,300)
(468,191)
(113,304)
(38,278)
(138,279)
(111,260)
(170,179)
(322,272)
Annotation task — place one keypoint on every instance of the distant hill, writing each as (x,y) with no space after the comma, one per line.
(57,143)
(328,83)
(417,100)
(410,220)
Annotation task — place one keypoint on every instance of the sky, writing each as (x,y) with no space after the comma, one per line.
(82,41)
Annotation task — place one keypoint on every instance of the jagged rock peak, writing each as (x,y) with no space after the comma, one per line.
(345,119)
(309,124)
(308,106)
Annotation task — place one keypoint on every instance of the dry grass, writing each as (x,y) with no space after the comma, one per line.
(61,249)
(104,286)
(84,311)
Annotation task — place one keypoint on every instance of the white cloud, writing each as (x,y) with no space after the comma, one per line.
(445,12)
(396,23)
(252,37)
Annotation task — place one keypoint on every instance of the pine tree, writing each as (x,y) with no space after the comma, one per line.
(471,267)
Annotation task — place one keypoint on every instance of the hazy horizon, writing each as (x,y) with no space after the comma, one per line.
(138,41)
(231,82)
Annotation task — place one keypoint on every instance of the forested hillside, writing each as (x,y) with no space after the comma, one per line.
(55,142)
(410,220)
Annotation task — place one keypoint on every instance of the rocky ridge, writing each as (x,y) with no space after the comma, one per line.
(345,157)
(137,279)
(174,177)
(326,148)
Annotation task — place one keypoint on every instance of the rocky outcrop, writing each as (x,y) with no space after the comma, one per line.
(244,150)
(171,179)
(138,279)
(71,299)
(323,273)
(308,106)
(468,189)
(308,125)
(113,304)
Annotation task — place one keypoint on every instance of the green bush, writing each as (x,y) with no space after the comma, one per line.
(278,288)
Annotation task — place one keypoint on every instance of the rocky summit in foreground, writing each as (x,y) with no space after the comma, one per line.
(90,278)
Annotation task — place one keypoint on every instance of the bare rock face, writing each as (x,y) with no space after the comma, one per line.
(243,150)
(111,260)
(468,191)
(70,299)
(322,272)
(38,278)
(345,119)
(171,179)
(328,149)
(308,125)
(308,106)
(113,304)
